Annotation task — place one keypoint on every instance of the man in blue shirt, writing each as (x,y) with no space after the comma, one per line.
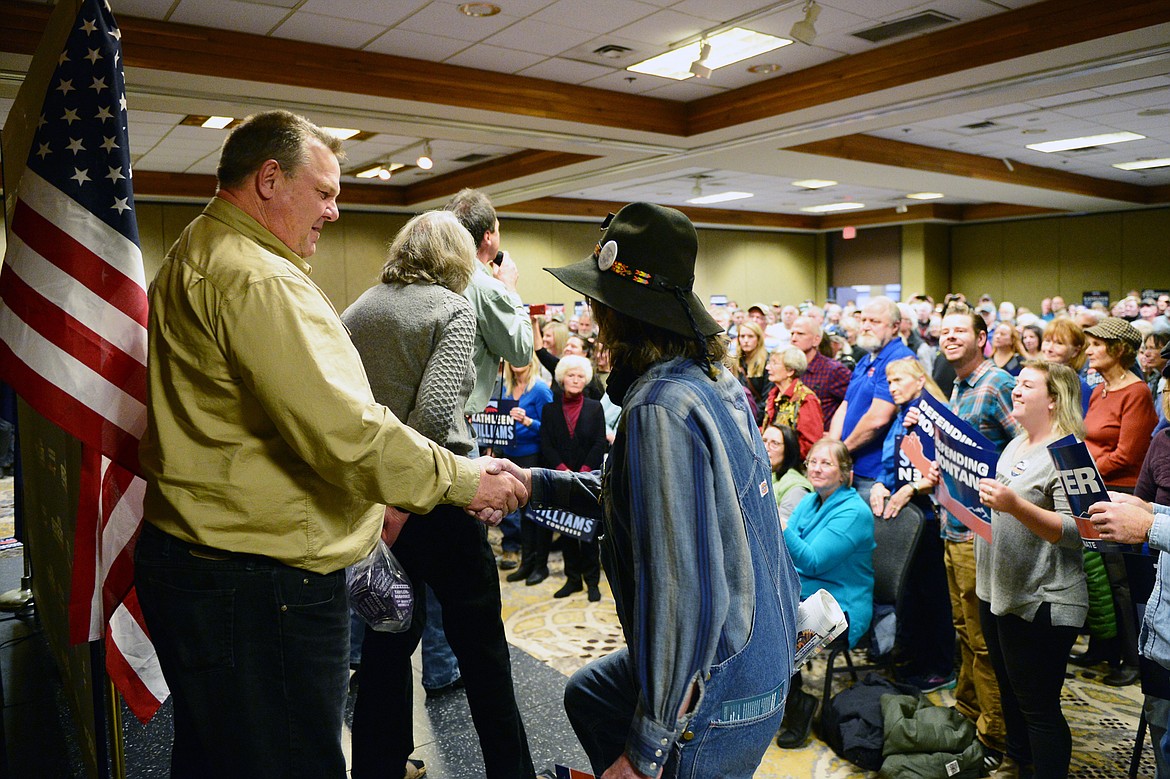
(867,412)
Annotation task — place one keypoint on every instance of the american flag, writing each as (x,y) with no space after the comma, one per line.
(73,332)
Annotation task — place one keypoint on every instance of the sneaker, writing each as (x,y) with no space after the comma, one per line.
(932,682)
(509,559)
(415,769)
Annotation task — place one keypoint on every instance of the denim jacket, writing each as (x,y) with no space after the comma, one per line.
(690,524)
(1155,637)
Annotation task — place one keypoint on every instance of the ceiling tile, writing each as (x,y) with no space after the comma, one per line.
(384,14)
(244,17)
(148,9)
(720,11)
(419,45)
(691,89)
(663,28)
(138,116)
(304,26)
(494,58)
(621,82)
(439,17)
(530,34)
(566,70)
(597,16)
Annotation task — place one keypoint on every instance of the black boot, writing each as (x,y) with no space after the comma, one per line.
(539,574)
(527,566)
(570,586)
(798,717)
(1101,650)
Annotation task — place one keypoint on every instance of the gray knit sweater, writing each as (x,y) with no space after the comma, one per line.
(1018,570)
(415,341)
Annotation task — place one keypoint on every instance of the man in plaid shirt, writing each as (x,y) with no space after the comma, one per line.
(826,377)
(982,398)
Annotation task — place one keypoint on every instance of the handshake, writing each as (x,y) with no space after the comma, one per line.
(503,488)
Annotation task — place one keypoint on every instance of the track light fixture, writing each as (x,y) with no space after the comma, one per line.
(805,30)
(424,161)
(699,67)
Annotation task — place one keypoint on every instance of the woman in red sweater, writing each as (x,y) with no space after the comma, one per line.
(1118,426)
(790,402)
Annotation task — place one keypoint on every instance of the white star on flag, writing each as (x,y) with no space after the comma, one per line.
(88,26)
(65,87)
(109,144)
(115,175)
(103,113)
(75,145)
(120,204)
(80,176)
(98,84)
(71,116)
(93,56)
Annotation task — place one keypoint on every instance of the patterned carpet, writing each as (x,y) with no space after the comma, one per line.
(567,633)
(8,545)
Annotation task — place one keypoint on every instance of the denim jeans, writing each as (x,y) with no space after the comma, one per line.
(255,653)
(439,665)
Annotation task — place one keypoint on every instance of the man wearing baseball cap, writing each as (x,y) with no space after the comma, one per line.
(705,589)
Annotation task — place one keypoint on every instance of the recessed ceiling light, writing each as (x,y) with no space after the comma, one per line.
(217,122)
(727,48)
(479,9)
(926,196)
(721,197)
(1033,131)
(1085,142)
(814,183)
(343,133)
(829,208)
(1161,162)
(767,67)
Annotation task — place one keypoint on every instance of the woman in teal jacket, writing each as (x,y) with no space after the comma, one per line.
(830,539)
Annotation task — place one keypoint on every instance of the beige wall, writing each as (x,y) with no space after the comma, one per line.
(745,266)
(1027,260)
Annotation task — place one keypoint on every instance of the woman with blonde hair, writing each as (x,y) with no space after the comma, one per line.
(523,385)
(1030,579)
(925,628)
(750,365)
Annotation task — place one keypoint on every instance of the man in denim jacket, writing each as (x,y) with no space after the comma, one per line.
(705,590)
(1131,520)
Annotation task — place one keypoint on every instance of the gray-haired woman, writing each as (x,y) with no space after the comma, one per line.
(415,333)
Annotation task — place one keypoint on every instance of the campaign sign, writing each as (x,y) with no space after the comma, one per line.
(1084,486)
(566,523)
(964,456)
(494,426)
(564,772)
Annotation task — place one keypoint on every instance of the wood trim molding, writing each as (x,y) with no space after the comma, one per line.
(598,209)
(883,151)
(1029,30)
(509,168)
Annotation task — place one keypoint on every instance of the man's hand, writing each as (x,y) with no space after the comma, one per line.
(1125,523)
(507,272)
(523,475)
(393,521)
(499,494)
(622,768)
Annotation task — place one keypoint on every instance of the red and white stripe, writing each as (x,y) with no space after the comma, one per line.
(73,327)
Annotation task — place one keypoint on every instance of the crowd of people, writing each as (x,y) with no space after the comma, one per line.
(738,460)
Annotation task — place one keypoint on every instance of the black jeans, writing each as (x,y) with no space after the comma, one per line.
(1029,660)
(582,561)
(256,655)
(448,550)
(926,630)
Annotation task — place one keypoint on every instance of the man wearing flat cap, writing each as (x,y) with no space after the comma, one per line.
(705,589)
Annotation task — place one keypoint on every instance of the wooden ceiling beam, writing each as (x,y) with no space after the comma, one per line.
(899,154)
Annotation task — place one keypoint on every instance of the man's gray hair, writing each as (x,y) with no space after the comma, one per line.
(272,135)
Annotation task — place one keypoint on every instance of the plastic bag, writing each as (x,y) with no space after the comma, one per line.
(380,592)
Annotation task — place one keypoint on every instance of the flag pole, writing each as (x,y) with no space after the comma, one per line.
(114,718)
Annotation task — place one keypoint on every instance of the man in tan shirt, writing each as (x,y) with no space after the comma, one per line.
(268,464)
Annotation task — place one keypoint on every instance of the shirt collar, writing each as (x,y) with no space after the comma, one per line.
(236,218)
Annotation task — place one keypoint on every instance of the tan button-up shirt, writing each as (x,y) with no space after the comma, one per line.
(263,436)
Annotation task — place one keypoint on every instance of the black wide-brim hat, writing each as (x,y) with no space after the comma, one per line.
(644,267)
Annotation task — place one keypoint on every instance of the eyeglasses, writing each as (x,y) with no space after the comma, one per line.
(825,464)
(773,444)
